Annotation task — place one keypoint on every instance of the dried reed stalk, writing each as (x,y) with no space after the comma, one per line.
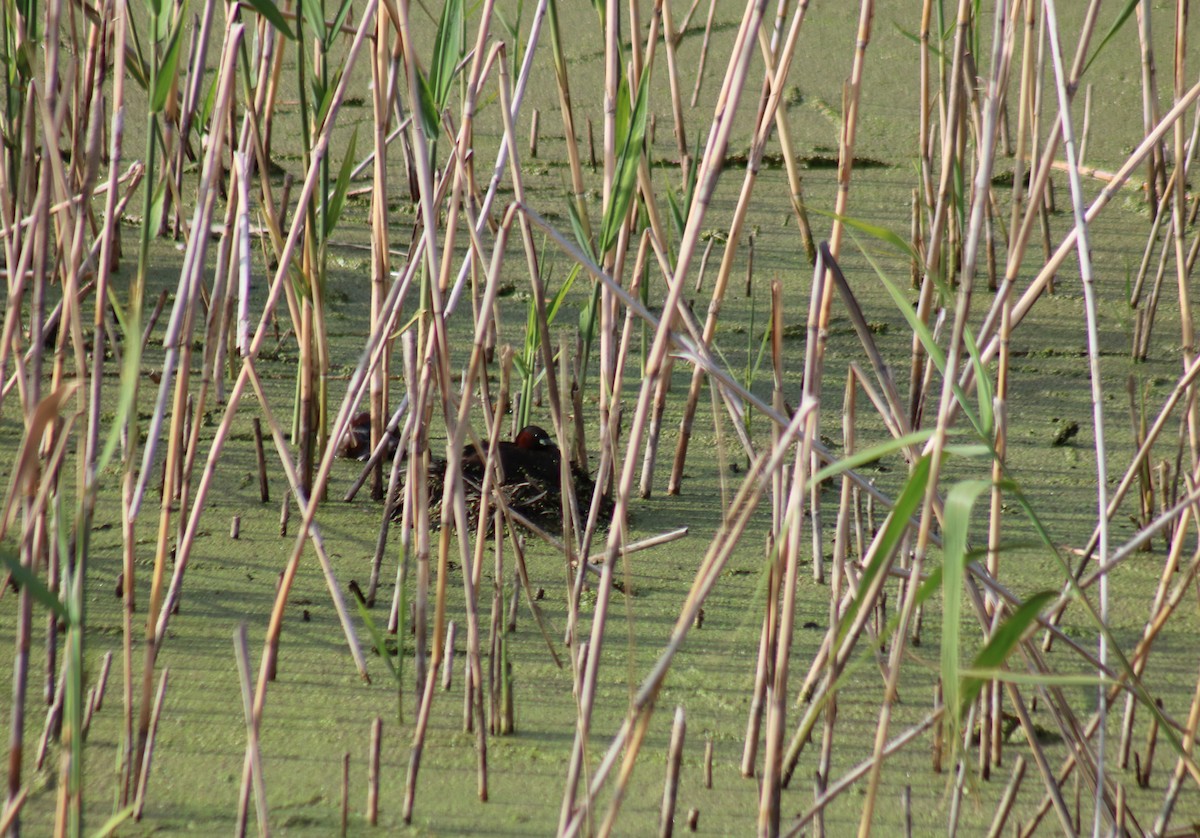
(706,578)
(773,86)
(253,754)
(709,173)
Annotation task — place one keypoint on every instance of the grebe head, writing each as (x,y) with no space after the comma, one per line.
(534,438)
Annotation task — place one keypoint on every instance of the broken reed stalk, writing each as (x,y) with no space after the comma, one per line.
(12,809)
(96,694)
(708,760)
(264,486)
(448,656)
(670,41)
(1146,764)
(345,808)
(666,820)
(373,771)
(838,571)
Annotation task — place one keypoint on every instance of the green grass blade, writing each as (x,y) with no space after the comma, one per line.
(447,51)
(957,517)
(676,209)
(577,227)
(118,818)
(313,14)
(338,19)
(24,577)
(338,199)
(983,385)
(969,449)
(377,636)
(1116,27)
(430,113)
(165,77)
(871,454)
(159,11)
(1036,679)
(561,295)
(893,530)
(622,112)
(206,109)
(628,161)
(1006,637)
(270,11)
(936,355)
(330,89)
(158,205)
(875,231)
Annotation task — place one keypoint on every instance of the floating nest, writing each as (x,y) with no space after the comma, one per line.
(538,501)
(531,468)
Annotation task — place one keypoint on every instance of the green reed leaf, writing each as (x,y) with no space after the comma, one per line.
(935,353)
(577,227)
(338,20)
(337,199)
(893,531)
(376,634)
(313,14)
(869,455)
(167,69)
(158,206)
(561,294)
(1003,641)
(1118,24)
(875,231)
(28,581)
(628,160)
(985,393)
(447,51)
(270,11)
(109,827)
(430,112)
(957,521)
